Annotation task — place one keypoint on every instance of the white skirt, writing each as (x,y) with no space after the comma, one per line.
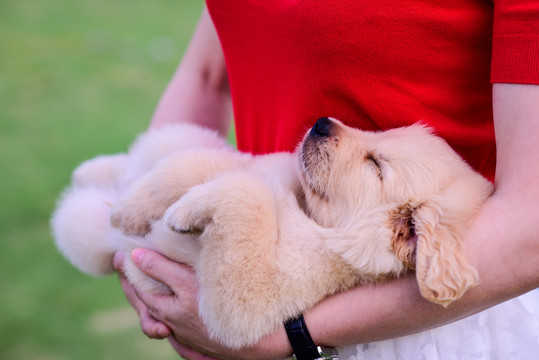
(508,331)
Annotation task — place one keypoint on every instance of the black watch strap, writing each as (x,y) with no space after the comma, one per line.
(300,339)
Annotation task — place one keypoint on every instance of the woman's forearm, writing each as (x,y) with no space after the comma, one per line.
(504,250)
(396,308)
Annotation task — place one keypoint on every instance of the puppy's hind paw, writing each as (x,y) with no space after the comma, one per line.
(129,221)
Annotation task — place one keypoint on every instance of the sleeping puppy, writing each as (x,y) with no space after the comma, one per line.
(270,236)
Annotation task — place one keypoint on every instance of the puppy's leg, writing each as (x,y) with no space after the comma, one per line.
(148,198)
(240,293)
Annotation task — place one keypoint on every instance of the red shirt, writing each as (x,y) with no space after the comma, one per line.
(374,64)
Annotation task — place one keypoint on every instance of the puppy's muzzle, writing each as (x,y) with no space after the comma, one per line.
(324,127)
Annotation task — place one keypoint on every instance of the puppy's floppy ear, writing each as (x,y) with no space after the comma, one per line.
(428,234)
(442,271)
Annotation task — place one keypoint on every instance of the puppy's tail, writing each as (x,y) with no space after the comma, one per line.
(82,231)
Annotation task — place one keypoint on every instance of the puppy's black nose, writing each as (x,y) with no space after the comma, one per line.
(322,127)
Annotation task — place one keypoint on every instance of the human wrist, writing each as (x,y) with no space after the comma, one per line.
(273,346)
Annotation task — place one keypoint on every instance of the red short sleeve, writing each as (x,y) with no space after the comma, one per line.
(515,42)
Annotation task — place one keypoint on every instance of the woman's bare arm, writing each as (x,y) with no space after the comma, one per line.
(198,92)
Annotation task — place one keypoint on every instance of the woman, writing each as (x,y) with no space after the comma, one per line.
(376,65)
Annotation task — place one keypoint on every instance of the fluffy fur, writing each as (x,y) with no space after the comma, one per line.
(269,236)
(81,222)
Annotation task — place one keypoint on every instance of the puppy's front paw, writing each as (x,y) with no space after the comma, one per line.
(188,215)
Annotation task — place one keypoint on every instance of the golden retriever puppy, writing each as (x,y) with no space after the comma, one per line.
(269,236)
(272,235)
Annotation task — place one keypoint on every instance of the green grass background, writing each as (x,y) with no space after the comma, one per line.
(77,78)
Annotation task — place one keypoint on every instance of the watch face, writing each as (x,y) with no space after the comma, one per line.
(324,353)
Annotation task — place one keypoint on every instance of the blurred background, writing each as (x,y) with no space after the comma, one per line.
(77,79)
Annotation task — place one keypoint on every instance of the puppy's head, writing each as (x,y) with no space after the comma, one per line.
(402,196)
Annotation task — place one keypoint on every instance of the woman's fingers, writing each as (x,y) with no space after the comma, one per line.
(154,265)
(150,326)
(179,278)
(162,269)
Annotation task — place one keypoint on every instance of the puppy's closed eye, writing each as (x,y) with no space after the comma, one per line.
(375,164)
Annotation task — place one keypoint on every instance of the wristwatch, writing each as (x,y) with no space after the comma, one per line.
(302,343)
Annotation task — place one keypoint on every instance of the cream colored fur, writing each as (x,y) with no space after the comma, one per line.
(270,236)
(81,221)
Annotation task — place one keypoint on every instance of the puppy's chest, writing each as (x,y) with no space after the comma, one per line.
(315,271)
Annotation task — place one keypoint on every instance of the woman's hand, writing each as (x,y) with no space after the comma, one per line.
(150,326)
(176,316)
